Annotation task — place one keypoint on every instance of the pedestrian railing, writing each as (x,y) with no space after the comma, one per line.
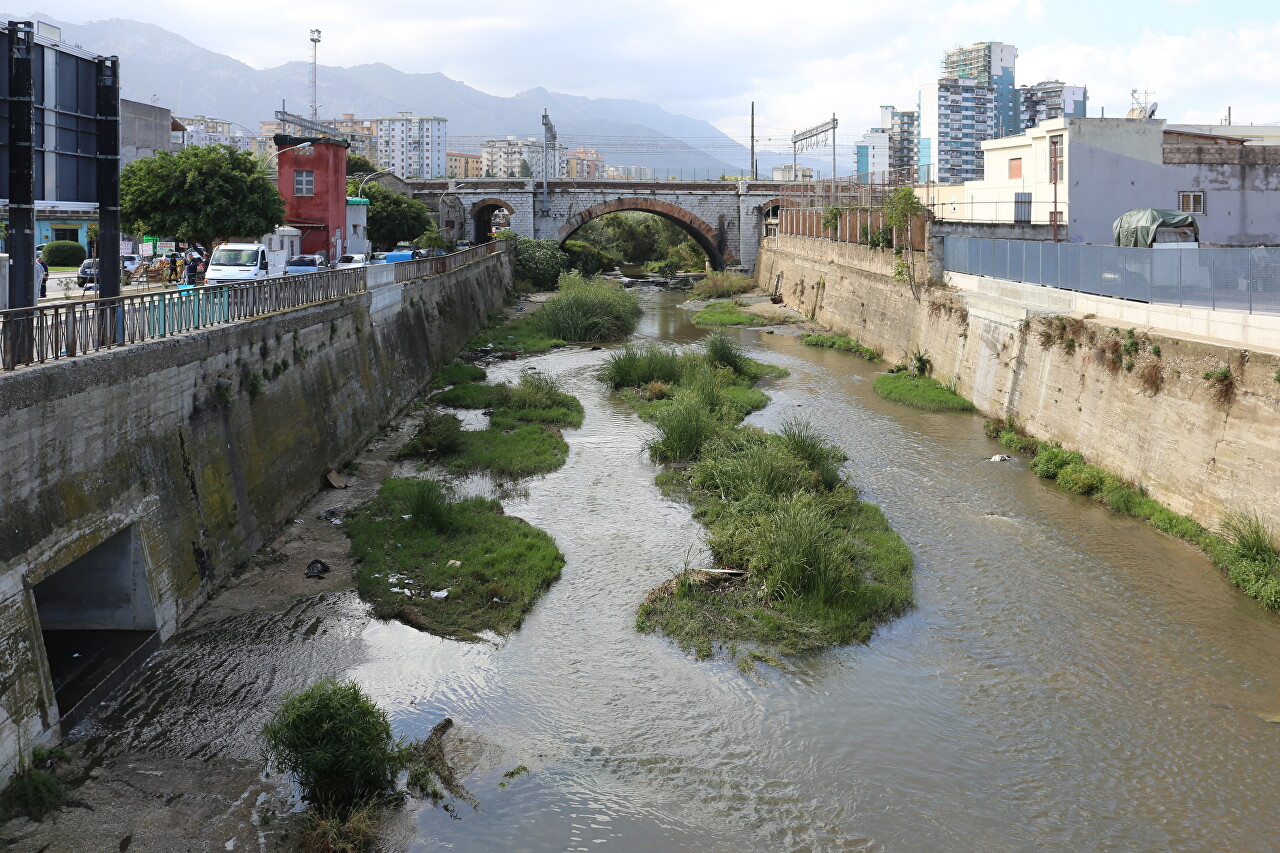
(68,329)
(1235,279)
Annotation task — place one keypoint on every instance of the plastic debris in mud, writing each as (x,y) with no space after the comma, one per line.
(317,569)
(440,593)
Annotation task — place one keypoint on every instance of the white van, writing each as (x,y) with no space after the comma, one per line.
(232,262)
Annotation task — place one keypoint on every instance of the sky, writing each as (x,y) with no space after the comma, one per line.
(800,63)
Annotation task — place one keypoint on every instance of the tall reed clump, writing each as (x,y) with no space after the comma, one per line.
(722,285)
(588,310)
(338,744)
(1246,546)
(633,367)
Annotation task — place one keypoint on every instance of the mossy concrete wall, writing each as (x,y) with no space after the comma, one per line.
(205,444)
(1149,418)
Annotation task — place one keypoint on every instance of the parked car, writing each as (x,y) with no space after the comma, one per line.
(87,275)
(378,258)
(352,261)
(304,263)
(461,244)
(130,262)
(399,255)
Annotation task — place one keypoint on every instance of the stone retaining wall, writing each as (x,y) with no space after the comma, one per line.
(1199,456)
(203,445)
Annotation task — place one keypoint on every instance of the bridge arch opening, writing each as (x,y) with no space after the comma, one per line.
(488,216)
(712,241)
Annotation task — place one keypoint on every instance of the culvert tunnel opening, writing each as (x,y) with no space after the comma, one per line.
(98,622)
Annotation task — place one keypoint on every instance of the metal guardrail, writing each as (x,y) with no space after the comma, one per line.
(1232,279)
(68,329)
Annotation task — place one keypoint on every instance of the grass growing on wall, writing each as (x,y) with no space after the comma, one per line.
(502,566)
(920,392)
(1244,547)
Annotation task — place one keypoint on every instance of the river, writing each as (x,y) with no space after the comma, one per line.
(1071,679)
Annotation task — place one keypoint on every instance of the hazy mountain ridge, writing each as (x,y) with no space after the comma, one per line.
(164,67)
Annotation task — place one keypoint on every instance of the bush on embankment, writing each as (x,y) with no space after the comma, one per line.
(820,567)
(1244,547)
(588,310)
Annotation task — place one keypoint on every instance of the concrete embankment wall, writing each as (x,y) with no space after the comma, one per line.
(1198,455)
(179,459)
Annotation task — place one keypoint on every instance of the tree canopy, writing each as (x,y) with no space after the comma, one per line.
(431,238)
(394,218)
(358,164)
(200,194)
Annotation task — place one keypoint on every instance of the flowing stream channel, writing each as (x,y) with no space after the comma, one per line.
(1071,679)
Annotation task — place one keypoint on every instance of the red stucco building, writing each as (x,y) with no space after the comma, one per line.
(313,181)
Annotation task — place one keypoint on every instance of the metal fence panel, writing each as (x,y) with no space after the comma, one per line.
(1231,279)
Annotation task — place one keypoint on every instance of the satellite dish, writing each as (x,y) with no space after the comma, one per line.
(1151,110)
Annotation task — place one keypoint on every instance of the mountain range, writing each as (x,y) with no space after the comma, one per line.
(162,67)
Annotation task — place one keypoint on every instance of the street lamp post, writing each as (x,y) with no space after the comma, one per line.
(267,162)
(367,179)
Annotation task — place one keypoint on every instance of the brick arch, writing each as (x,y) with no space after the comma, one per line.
(703,234)
(490,202)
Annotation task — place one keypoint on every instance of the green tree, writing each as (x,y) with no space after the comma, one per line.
(92,233)
(431,237)
(394,218)
(199,194)
(899,210)
(539,262)
(526,171)
(358,164)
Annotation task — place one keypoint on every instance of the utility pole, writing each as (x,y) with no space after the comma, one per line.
(315,101)
(751,164)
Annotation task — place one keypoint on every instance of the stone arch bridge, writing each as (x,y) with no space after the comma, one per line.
(725,218)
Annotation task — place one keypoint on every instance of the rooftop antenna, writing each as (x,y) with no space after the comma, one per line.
(1141,107)
(315,47)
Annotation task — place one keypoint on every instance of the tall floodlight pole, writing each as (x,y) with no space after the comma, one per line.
(751,164)
(315,100)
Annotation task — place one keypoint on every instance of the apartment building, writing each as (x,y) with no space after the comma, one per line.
(956,115)
(990,64)
(633,173)
(203,130)
(516,158)
(789,173)
(585,165)
(412,146)
(459,165)
(1051,99)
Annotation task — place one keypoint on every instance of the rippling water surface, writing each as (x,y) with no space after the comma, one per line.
(1071,679)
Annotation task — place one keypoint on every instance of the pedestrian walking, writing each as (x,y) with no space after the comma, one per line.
(192,272)
(173,267)
(43,269)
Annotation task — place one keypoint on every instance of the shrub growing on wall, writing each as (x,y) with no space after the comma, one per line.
(64,253)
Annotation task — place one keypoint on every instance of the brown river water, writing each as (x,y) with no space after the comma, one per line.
(1071,679)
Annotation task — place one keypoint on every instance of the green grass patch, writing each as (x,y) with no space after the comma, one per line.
(729,314)
(722,285)
(920,392)
(458,373)
(518,336)
(842,343)
(509,448)
(471,395)
(505,563)
(588,310)
(822,568)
